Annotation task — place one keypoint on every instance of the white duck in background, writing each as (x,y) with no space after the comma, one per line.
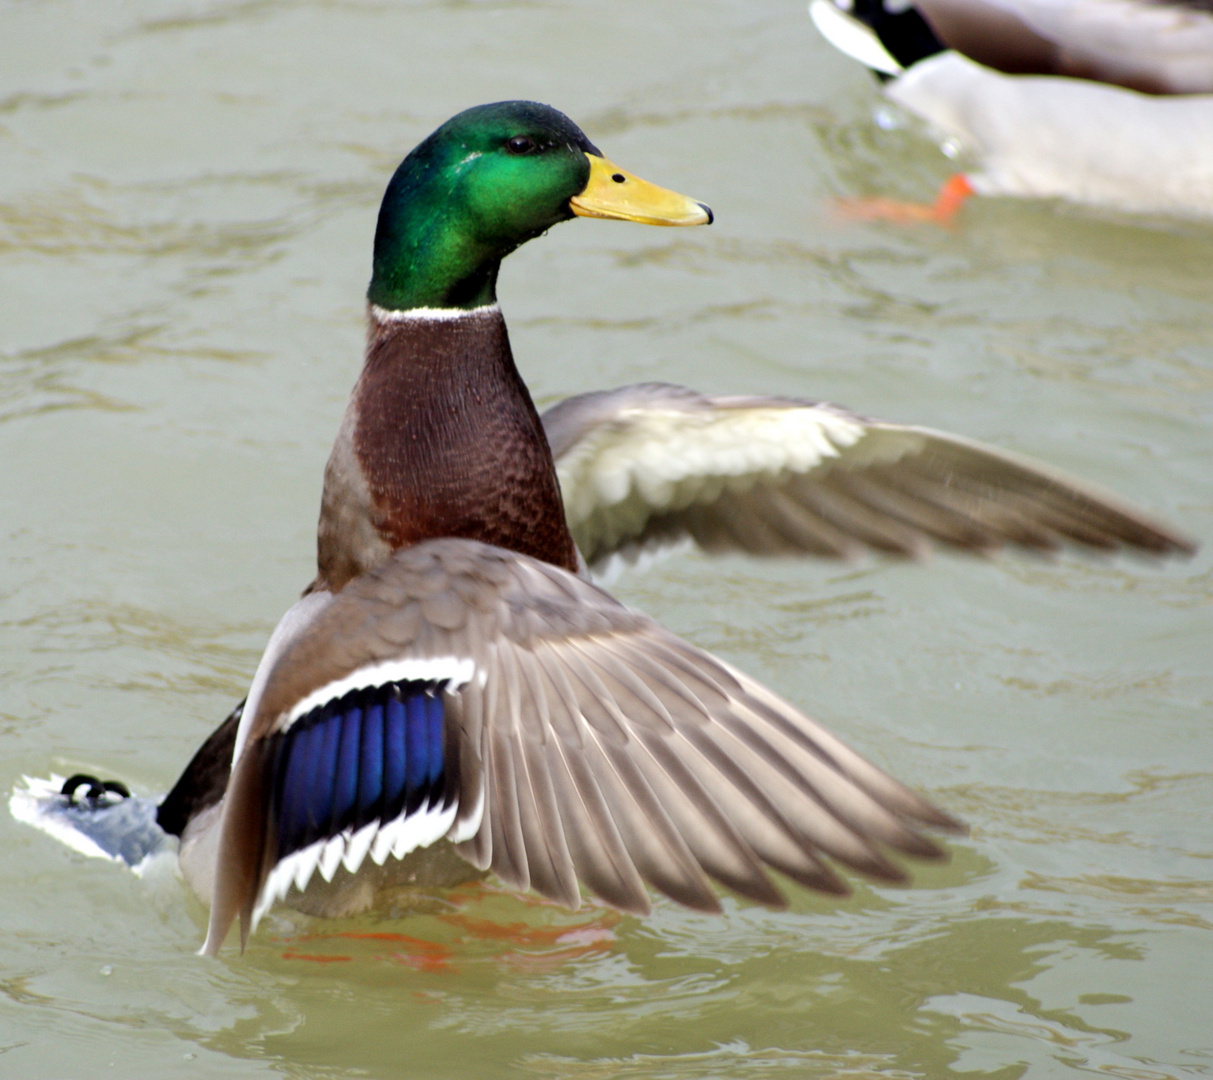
(1102,102)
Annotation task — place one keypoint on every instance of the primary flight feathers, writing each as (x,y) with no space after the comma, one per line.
(654,463)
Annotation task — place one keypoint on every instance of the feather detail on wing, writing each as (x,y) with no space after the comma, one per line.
(581,746)
(653,464)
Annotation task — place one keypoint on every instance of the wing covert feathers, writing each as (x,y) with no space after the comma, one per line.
(587,747)
(651,464)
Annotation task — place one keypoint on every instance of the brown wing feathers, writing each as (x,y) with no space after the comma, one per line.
(605,752)
(844,483)
(618,751)
(965,500)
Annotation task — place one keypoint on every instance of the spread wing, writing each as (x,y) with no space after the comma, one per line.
(653,464)
(561,739)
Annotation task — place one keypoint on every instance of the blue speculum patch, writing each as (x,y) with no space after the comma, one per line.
(374,754)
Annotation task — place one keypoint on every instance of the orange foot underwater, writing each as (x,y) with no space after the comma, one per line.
(952,196)
(458,939)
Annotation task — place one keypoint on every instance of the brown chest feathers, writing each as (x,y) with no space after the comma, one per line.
(440,438)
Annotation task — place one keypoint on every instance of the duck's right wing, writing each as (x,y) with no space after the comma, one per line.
(652,464)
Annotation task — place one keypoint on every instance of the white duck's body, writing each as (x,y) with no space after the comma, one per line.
(1040,136)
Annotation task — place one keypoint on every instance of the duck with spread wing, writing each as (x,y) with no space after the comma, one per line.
(453,695)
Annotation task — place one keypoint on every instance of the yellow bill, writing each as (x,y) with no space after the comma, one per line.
(613,193)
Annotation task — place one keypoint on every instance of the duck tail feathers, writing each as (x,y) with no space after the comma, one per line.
(853,37)
(885,41)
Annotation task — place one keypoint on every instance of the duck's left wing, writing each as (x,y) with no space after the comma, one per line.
(652,464)
(469,693)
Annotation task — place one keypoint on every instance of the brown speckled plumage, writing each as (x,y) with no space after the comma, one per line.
(441,438)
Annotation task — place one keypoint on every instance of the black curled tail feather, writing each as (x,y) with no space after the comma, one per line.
(906,34)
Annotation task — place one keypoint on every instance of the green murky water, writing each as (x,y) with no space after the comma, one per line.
(187,199)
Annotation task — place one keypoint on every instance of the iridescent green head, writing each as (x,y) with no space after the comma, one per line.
(489,179)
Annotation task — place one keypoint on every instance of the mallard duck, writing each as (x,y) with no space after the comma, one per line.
(453,695)
(1105,102)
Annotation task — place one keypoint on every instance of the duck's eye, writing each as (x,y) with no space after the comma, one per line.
(520,144)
